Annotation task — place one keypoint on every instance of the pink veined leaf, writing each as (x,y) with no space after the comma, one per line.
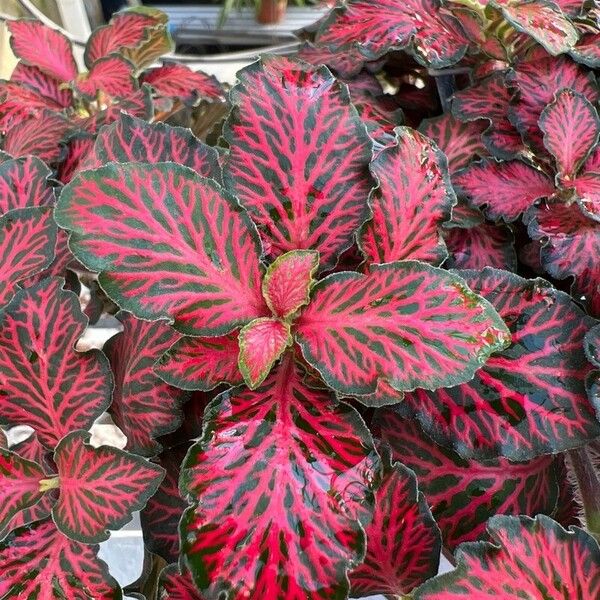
(27,242)
(346,63)
(45,85)
(529,399)
(45,48)
(79,148)
(587,190)
(481,246)
(406,323)
(112,75)
(193,414)
(298,157)
(385,25)
(545,23)
(44,382)
(291,542)
(174,585)
(403,540)
(143,406)
(19,485)
(528,558)
(570,243)
(464,494)
(288,280)
(262,343)
(460,141)
(179,82)
(194,260)
(100,488)
(126,30)
(464,216)
(161,515)
(587,50)
(24,182)
(413,199)
(41,136)
(503,189)
(571,128)
(18,103)
(63,259)
(592,350)
(130,139)
(37,561)
(201,363)
(537,83)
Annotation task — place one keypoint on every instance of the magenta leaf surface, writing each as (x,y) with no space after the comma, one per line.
(174,585)
(194,260)
(529,558)
(44,382)
(112,75)
(293,540)
(413,199)
(299,157)
(406,323)
(100,488)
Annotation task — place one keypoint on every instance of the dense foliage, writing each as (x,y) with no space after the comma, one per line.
(335,358)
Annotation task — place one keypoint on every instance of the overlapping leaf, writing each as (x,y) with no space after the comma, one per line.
(27,243)
(44,48)
(529,399)
(403,541)
(345,63)
(100,488)
(464,494)
(529,558)
(44,383)
(193,260)
(299,157)
(282,478)
(174,585)
(112,75)
(45,85)
(129,139)
(79,147)
(143,406)
(406,323)
(37,561)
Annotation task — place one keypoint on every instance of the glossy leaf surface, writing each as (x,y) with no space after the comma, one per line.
(193,260)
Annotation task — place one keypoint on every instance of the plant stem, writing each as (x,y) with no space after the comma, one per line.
(589,488)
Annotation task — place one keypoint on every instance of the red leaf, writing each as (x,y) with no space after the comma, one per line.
(587,50)
(571,128)
(255,531)
(175,586)
(461,142)
(201,363)
(178,81)
(129,139)
(18,103)
(481,246)
(529,399)
(44,383)
(406,323)
(143,406)
(27,242)
(537,83)
(413,199)
(100,488)
(193,260)
(262,343)
(43,47)
(126,30)
(43,84)
(288,280)
(24,183)
(587,188)
(346,63)
(378,27)
(160,517)
(40,136)
(112,75)
(19,485)
(464,494)
(403,541)
(78,151)
(544,22)
(298,157)
(504,189)
(39,562)
(571,243)
(530,558)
